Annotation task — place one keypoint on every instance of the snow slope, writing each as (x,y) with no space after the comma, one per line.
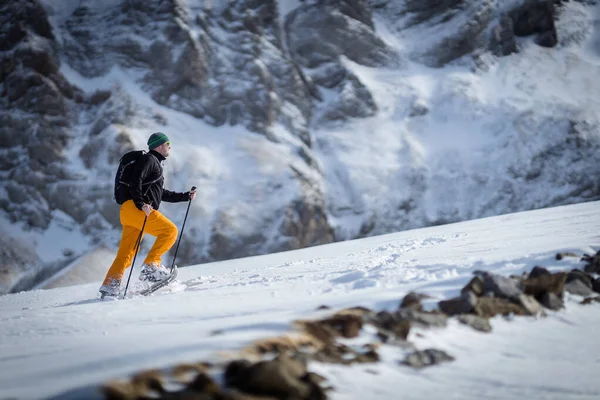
(59,339)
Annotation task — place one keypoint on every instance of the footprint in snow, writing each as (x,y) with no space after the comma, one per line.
(350,277)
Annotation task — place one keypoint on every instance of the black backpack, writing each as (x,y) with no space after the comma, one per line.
(123,176)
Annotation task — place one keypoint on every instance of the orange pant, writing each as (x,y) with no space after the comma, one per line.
(132,220)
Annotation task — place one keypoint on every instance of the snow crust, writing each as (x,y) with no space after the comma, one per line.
(59,339)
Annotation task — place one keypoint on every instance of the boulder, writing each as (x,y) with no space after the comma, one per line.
(475,286)
(426,358)
(539,285)
(463,304)
(582,276)
(488,307)
(476,322)
(499,286)
(578,288)
(552,301)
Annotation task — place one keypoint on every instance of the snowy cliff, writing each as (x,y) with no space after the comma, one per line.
(301,122)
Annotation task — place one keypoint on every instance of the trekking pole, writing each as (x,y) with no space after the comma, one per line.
(137,248)
(183,226)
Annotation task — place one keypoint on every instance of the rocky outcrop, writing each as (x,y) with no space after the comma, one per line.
(350,34)
(472,26)
(224,64)
(279,367)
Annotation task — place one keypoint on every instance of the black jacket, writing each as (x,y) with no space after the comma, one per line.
(149,169)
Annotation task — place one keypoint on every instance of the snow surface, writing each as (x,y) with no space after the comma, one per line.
(59,339)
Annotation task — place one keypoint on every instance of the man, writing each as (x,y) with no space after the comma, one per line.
(145,194)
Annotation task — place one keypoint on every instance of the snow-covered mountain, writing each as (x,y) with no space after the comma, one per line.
(301,122)
(66,340)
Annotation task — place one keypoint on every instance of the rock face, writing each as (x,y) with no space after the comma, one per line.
(472,25)
(278,75)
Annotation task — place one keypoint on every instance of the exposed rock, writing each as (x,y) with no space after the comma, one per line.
(426,358)
(347,325)
(560,256)
(463,304)
(552,301)
(349,32)
(413,301)
(391,323)
(535,17)
(488,307)
(596,285)
(590,300)
(541,284)
(425,319)
(305,223)
(502,38)
(529,304)
(580,275)
(475,286)
(281,378)
(592,263)
(499,286)
(345,355)
(476,322)
(578,288)
(16,260)
(538,271)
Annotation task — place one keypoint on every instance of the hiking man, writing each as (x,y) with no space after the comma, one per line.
(142,200)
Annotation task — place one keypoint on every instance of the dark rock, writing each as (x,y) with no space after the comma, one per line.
(280,378)
(578,288)
(413,301)
(476,322)
(529,304)
(347,325)
(538,271)
(463,304)
(418,109)
(306,222)
(560,256)
(592,263)
(502,38)
(392,323)
(488,307)
(533,16)
(580,275)
(551,301)
(596,285)
(348,34)
(40,61)
(425,319)
(17,17)
(426,358)
(338,353)
(590,300)
(499,286)
(475,286)
(539,285)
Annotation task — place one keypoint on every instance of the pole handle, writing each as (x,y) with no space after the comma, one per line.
(181,232)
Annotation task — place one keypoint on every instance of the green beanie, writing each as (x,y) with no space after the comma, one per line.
(156,139)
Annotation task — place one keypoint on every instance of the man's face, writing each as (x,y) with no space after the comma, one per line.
(164,149)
